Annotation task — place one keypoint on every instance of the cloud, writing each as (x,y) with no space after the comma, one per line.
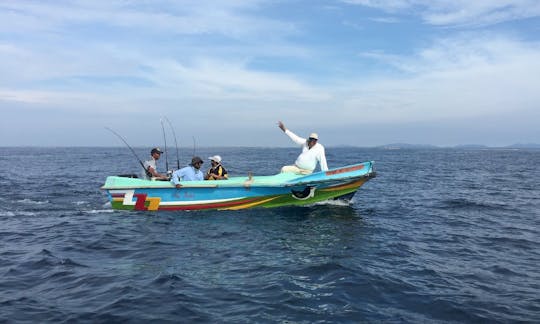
(230,18)
(128,62)
(458,12)
(91,48)
(217,79)
(456,77)
(206,79)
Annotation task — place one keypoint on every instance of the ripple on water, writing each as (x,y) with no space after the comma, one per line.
(453,239)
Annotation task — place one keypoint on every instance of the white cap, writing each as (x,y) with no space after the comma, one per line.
(216,158)
(314,135)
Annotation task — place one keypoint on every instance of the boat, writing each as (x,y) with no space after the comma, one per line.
(282,189)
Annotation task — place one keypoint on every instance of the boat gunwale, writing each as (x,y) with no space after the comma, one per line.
(237,185)
(243,181)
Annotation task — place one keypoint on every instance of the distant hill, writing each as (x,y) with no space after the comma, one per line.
(397,146)
(524,146)
(471,146)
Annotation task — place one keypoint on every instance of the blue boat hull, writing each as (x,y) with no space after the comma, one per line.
(284,189)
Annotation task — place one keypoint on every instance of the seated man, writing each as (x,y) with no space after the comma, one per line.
(312,153)
(217,171)
(150,168)
(192,172)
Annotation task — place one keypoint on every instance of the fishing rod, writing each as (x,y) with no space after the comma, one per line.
(175,142)
(165,140)
(132,151)
(194,145)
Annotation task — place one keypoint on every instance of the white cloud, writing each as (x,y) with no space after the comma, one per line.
(230,18)
(133,61)
(459,12)
(455,78)
(217,79)
(208,79)
(386,5)
(52,62)
(56,49)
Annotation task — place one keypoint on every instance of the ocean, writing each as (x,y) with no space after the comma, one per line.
(440,235)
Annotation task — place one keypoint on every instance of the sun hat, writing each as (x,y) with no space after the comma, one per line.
(216,158)
(196,160)
(314,136)
(156,150)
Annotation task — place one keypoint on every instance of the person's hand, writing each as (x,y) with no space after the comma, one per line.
(280,124)
(178,186)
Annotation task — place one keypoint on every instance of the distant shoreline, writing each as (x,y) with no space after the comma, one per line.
(399,146)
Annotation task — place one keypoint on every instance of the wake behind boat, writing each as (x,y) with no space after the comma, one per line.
(283,189)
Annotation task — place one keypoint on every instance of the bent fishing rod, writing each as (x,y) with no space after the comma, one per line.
(194,145)
(175,142)
(165,140)
(132,151)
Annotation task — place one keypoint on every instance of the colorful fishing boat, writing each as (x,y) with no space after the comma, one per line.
(283,189)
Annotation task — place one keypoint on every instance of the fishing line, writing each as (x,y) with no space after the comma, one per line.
(132,151)
(165,140)
(194,145)
(175,142)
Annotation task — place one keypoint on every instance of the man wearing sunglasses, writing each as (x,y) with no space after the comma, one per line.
(312,153)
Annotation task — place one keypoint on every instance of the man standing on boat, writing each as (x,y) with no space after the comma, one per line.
(192,172)
(150,168)
(312,152)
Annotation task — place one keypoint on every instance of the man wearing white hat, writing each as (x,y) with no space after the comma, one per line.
(312,152)
(217,171)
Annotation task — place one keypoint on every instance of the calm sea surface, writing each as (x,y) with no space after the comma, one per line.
(441,235)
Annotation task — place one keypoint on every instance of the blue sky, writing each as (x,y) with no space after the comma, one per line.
(358,72)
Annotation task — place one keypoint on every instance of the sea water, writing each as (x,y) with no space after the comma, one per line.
(450,235)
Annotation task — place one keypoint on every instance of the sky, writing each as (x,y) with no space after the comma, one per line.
(223,73)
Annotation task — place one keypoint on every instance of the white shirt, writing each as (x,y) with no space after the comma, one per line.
(308,159)
(147,164)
